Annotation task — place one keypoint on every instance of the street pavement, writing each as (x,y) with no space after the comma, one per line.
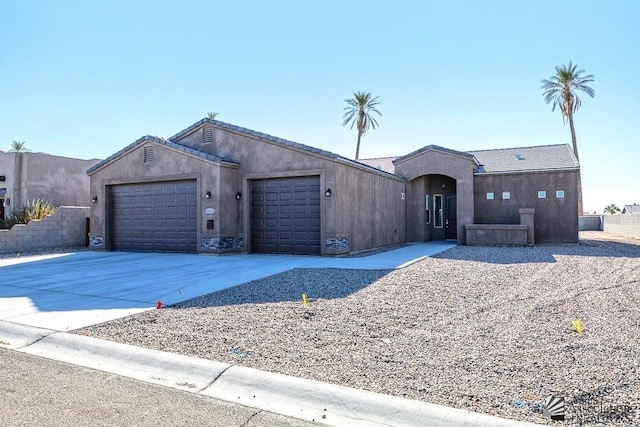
(40,392)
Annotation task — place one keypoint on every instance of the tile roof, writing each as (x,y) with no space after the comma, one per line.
(631,209)
(161,141)
(381,163)
(543,157)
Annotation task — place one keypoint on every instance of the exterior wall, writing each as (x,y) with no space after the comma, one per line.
(169,165)
(348,221)
(623,225)
(261,159)
(64,228)
(555,219)
(58,180)
(370,210)
(434,162)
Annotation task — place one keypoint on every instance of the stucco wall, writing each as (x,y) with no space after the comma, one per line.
(168,165)
(58,180)
(370,208)
(435,162)
(348,221)
(556,219)
(66,227)
(623,225)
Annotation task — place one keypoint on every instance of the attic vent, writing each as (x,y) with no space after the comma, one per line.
(519,157)
(207,136)
(148,154)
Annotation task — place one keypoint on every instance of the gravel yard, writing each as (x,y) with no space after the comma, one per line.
(485,329)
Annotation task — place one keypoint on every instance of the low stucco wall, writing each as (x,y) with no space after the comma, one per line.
(66,227)
(590,223)
(496,234)
(623,225)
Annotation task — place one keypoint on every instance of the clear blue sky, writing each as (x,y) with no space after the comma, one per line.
(85,79)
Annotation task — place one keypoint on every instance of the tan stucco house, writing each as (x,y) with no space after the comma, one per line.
(61,181)
(216,188)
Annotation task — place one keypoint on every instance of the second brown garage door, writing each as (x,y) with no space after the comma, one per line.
(285,215)
(154,217)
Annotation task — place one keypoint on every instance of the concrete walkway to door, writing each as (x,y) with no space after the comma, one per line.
(69,291)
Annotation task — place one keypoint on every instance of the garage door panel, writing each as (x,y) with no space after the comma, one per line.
(154,217)
(285,215)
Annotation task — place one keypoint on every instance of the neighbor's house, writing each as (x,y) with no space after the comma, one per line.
(631,209)
(26,176)
(216,188)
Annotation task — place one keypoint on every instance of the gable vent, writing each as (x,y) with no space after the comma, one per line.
(148,154)
(207,136)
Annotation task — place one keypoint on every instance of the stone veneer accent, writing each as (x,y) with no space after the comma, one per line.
(95,241)
(218,244)
(338,244)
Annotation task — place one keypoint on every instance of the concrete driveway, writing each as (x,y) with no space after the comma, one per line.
(69,291)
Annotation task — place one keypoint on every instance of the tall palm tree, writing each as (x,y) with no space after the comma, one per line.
(562,91)
(18,146)
(212,115)
(611,209)
(358,112)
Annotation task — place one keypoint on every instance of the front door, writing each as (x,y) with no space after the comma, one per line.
(450,222)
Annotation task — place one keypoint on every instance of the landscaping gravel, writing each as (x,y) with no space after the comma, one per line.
(485,329)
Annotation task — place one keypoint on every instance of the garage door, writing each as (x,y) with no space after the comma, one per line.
(285,215)
(154,217)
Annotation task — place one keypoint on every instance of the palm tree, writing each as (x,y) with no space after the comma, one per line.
(212,116)
(18,146)
(562,90)
(611,209)
(358,112)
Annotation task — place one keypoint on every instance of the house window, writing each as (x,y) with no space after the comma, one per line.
(148,154)
(560,194)
(437,211)
(506,195)
(426,206)
(542,194)
(490,196)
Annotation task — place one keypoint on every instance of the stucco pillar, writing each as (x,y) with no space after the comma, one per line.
(526,218)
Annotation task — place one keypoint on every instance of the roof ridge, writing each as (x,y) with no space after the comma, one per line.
(517,148)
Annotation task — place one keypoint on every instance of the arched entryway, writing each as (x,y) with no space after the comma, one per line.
(439,193)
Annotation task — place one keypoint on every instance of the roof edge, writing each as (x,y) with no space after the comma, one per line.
(161,141)
(432,147)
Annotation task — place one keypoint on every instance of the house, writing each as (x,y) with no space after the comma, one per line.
(631,209)
(58,180)
(217,188)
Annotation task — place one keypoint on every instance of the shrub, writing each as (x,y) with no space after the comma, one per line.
(34,209)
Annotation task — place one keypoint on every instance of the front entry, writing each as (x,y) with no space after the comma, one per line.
(450,215)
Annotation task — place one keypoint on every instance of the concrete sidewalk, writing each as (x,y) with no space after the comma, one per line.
(69,291)
(293,397)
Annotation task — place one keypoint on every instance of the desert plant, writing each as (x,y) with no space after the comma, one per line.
(212,115)
(33,209)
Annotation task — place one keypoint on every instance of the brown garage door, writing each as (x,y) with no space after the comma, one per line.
(285,215)
(154,217)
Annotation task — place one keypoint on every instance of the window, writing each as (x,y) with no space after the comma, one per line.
(506,195)
(437,210)
(490,196)
(560,194)
(426,206)
(542,194)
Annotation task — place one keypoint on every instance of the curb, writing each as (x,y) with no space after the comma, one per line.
(282,394)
